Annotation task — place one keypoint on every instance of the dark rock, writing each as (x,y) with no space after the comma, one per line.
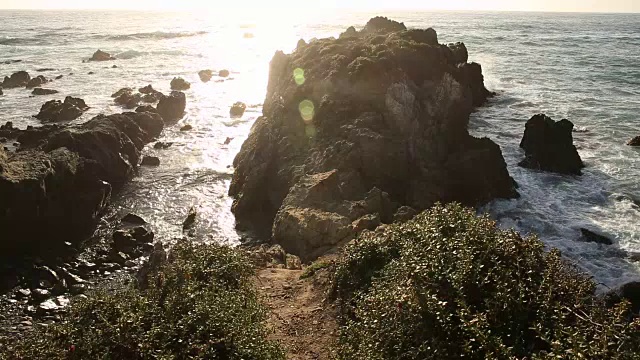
(47,274)
(18,79)
(548,146)
(190,220)
(117,257)
(55,110)
(633,142)
(1,93)
(45,69)
(23,293)
(146,108)
(41,91)
(153,97)
(7,126)
(59,77)
(12,62)
(386,126)
(114,67)
(238,109)
(122,92)
(54,191)
(36,82)
(150,161)
(157,260)
(123,241)
(172,107)
(147,89)
(349,33)
(223,73)
(459,52)
(90,73)
(142,235)
(404,214)
(127,98)
(40,294)
(205,75)
(101,56)
(186,128)
(629,292)
(161,145)
(180,84)
(133,219)
(590,236)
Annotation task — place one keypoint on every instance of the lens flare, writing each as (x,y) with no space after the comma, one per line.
(298,76)
(307,110)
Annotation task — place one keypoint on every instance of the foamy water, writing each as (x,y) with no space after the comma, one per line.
(582,67)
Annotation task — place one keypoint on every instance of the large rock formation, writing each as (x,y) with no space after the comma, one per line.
(548,146)
(358,129)
(172,107)
(54,190)
(18,79)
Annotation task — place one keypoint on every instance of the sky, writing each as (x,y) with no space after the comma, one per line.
(504,5)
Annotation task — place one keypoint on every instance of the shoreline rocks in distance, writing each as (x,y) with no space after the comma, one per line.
(635,141)
(56,110)
(17,79)
(548,146)
(205,75)
(40,91)
(180,84)
(238,109)
(101,56)
(172,107)
(383,129)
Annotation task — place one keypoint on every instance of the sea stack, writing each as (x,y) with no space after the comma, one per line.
(375,125)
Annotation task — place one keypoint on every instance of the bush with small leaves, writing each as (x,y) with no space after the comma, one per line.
(451,285)
(201,305)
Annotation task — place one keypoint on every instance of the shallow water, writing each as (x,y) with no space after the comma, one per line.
(583,67)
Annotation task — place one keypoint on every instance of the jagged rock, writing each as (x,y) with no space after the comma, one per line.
(55,110)
(180,84)
(205,75)
(238,109)
(191,219)
(150,161)
(54,191)
(153,97)
(187,127)
(59,77)
(146,108)
(633,142)
(41,91)
(404,214)
(223,73)
(380,122)
(590,236)
(147,89)
(172,107)
(162,145)
(351,32)
(40,294)
(101,56)
(1,93)
(548,146)
(118,257)
(18,79)
(460,53)
(122,92)
(36,82)
(127,99)
(133,219)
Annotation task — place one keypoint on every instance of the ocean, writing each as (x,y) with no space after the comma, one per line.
(583,67)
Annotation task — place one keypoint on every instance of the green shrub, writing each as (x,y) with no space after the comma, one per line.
(311,270)
(451,285)
(202,305)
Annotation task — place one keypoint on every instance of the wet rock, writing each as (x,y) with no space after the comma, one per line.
(191,219)
(172,107)
(59,77)
(150,161)
(548,146)
(90,73)
(142,235)
(205,75)
(8,126)
(40,294)
(36,82)
(47,274)
(223,73)
(162,145)
(133,219)
(123,241)
(634,142)
(238,109)
(180,84)
(122,92)
(55,191)
(186,128)
(45,69)
(128,99)
(146,108)
(590,236)
(114,67)
(55,110)
(41,91)
(12,62)
(629,292)
(101,56)
(147,89)
(117,257)
(362,137)
(18,79)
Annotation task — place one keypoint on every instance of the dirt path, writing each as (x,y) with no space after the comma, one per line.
(301,320)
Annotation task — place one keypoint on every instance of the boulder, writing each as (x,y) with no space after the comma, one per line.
(101,56)
(147,89)
(41,91)
(633,142)
(127,99)
(548,146)
(59,77)
(238,109)
(122,92)
(180,84)
(172,107)
(18,79)
(150,161)
(55,191)
(36,82)
(590,236)
(205,75)
(380,123)
(223,73)
(56,110)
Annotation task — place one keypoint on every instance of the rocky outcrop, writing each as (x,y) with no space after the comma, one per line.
(548,146)
(18,79)
(205,75)
(172,107)
(36,82)
(55,190)
(56,110)
(371,128)
(237,109)
(180,84)
(634,142)
(41,91)
(101,56)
